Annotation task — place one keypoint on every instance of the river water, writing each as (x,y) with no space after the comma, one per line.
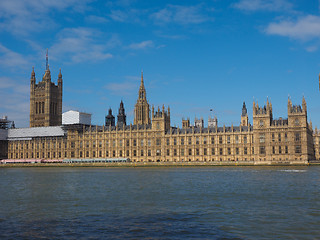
(160,203)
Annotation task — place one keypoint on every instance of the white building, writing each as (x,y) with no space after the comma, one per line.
(75,117)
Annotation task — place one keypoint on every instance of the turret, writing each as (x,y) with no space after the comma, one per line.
(244,116)
(304,105)
(161,119)
(121,116)
(60,78)
(110,119)
(33,78)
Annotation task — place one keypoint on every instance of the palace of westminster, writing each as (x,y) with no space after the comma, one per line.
(151,138)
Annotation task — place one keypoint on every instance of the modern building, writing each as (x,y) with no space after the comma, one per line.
(76,117)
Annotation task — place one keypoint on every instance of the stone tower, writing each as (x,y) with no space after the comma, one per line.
(121,116)
(110,119)
(45,100)
(244,116)
(141,109)
(161,119)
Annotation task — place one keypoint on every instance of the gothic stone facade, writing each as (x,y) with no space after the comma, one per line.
(45,101)
(152,139)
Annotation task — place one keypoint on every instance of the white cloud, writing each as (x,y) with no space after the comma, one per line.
(9,58)
(82,45)
(142,45)
(123,88)
(180,15)
(305,28)
(96,19)
(14,98)
(263,5)
(21,17)
(118,15)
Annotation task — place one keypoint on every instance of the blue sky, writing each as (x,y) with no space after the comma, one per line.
(195,55)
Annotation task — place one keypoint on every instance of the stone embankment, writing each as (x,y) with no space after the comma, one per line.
(154,164)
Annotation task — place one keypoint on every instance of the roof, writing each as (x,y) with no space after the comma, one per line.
(25,133)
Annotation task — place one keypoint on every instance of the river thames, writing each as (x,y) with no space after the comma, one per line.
(160,203)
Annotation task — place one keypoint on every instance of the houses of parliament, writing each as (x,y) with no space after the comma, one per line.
(151,138)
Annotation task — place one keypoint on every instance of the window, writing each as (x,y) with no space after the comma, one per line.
(261,123)
(128,153)
(213,152)
(279,137)
(296,122)
(220,140)
(134,153)
(182,152)
(182,141)
(286,137)
(229,151)
(141,142)
(113,153)
(286,149)
(279,149)
(197,140)
(237,139)
(190,141)
(212,140)
(197,151)
(174,141)
(158,141)
(149,142)
(93,154)
(168,141)
(262,138)
(158,152)
(245,139)
(190,151)
(100,144)
(113,143)
(272,136)
(134,142)
(298,148)
(237,151)
(273,150)
(221,151)
(127,143)
(297,137)
(205,151)
(262,150)
(72,145)
(174,152)
(204,140)
(107,153)
(228,139)
(80,154)
(245,150)
(168,152)
(141,153)
(149,152)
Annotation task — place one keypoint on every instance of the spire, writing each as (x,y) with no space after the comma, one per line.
(47,61)
(33,76)
(60,75)
(244,109)
(304,104)
(142,83)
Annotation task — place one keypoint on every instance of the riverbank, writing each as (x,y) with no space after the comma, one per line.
(154,164)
